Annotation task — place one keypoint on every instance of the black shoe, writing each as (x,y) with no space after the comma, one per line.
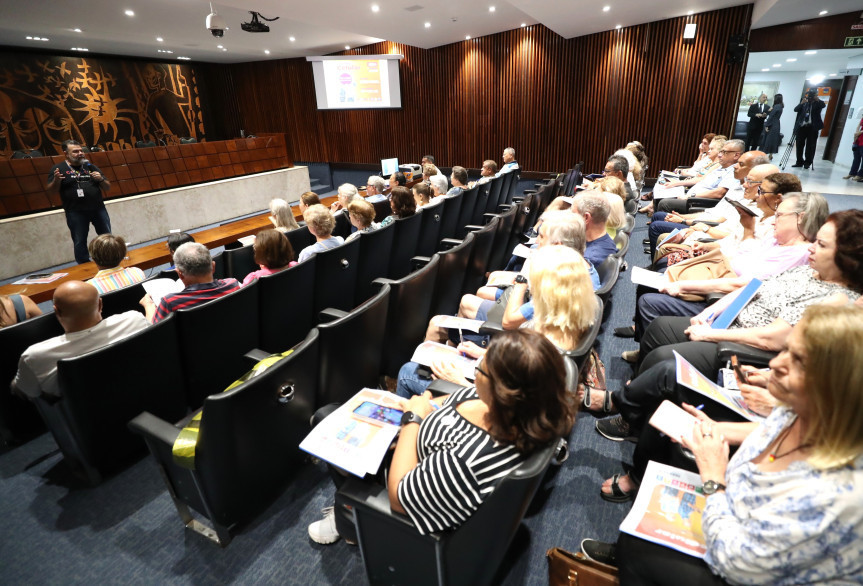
(806,167)
(615,429)
(798,165)
(625,332)
(598,551)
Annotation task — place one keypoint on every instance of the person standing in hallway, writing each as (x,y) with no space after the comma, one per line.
(757,113)
(856,173)
(770,139)
(808,125)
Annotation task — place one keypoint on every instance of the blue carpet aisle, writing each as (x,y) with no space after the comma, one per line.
(127,530)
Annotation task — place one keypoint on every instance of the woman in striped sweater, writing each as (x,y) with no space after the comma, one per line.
(108,252)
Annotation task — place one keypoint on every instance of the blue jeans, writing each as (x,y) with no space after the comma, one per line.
(653,305)
(856,168)
(657,228)
(79,225)
(410,382)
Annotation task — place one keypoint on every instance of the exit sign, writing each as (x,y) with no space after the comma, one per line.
(853,42)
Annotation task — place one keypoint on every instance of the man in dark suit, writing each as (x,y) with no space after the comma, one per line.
(757,114)
(808,126)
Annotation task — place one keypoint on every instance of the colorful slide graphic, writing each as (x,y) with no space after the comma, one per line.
(357,83)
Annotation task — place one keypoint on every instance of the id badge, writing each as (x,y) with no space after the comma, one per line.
(80,192)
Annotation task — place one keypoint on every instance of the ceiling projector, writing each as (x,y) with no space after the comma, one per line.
(256,26)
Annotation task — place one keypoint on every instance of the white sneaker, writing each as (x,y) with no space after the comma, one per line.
(324,531)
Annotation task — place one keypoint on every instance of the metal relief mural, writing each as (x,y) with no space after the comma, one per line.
(111,103)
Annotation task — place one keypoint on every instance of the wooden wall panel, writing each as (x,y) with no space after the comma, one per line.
(826,32)
(556,101)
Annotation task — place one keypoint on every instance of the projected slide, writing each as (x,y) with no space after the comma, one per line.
(370,81)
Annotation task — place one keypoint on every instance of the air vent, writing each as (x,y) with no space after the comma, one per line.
(414,8)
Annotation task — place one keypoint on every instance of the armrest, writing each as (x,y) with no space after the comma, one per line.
(518,198)
(489,328)
(448,243)
(471,228)
(695,210)
(488,217)
(256,355)
(746,354)
(330,314)
(149,425)
(712,298)
(709,240)
(710,223)
(359,493)
(443,387)
(418,262)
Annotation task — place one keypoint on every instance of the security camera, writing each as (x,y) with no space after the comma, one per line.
(215,23)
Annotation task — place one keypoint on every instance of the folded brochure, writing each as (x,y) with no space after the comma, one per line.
(689,377)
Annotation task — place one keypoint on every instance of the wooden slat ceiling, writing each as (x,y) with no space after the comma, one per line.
(556,101)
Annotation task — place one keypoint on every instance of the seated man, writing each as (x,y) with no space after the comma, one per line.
(78,308)
(195,268)
(488,172)
(616,166)
(375,186)
(509,162)
(429,160)
(714,185)
(594,208)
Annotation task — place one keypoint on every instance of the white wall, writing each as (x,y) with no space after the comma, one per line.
(791,85)
(843,155)
(42,240)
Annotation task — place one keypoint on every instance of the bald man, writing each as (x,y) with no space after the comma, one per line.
(78,308)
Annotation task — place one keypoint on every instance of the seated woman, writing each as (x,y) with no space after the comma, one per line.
(422,194)
(458,178)
(477,435)
(307,200)
(439,186)
(362,215)
(562,308)
(108,251)
(786,508)
(282,216)
(320,223)
(273,253)
(617,215)
(835,267)
(17,308)
(402,204)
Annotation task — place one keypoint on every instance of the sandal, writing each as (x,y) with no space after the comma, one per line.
(617,495)
(606,409)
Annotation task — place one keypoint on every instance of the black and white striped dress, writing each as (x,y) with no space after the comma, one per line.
(459,465)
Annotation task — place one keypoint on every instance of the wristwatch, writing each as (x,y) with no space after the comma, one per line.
(520,278)
(709,487)
(411,417)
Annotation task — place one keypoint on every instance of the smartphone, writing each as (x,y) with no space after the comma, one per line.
(741,207)
(741,376)
(375,412)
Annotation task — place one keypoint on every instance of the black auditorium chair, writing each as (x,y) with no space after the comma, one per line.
(503,194)
(26,154)
(468,203)
(699,204)
(247,449)
(477,266)
(450,211)
(300,238)
(144,144)
(343,224)
(450,278)
(286,306)
(124,299)
(382,209)
(408,314)
(621,240)
(19,419)
(494,188)
(219,265)
(430,228)
(239,262)
(483,194)
(519,225)
(351,349)
(394,551)
(630,224)
(404,245)
(499,253)
(336,276)
(630,206)
(374,260)
(142,372)
(608,270)
(579,354)
(214,337)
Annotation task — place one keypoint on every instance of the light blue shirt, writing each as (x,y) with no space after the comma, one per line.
(507,168)
(321,246)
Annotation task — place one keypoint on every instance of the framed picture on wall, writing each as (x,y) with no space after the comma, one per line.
(753,89)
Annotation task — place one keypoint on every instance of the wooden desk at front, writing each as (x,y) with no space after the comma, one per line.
(153,255)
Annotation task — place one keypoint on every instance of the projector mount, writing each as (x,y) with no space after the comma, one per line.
(256,26)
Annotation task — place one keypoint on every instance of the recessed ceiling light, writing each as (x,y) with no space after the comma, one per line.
(220,47)
(348,47)
(618,27)
(832,75)
(816,79)
(266,51)
(292,39)
(690,13)
(130,13)
(164,51)
(777,65)
(224,49)
(811,53)
(491,8)
(791,60)
(184,58)
(606,8)
(79,49)
(159,39)
(375,8)
(822,13)
(428,25)
(524,24)
(766,69)
(467,37)
(37,38)
(76,30)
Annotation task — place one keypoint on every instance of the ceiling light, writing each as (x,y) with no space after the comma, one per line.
(375,8)
(832,75)
(348,47)
(79,49)
(220,47)
(164,51)
(159,39)
(606,8)
(777,65)
(766,69)
(816,79)
(266,51)
(467,37)
(491,8)
(76,30)
(689,31)
(428,25)
(822,13)
(524,24)
(184,58)
(130,13)
(618,27)
(690,13)
(292,39)
(811,53)
(37,38)
(791,60)
(224,49)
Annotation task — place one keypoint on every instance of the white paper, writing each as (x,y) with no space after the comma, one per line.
(664,192)
(522,251)
(247,240)
(458,323)
(49,279)
(673,421)
(647,278)
(428,352)
(158,288)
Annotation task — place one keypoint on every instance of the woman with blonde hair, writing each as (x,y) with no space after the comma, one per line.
(281,216)
(616,216)
(320,222)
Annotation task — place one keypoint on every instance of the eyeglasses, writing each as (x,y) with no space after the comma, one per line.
(762,192)
(724,152)
(477,369)
(778,215)
(751,182)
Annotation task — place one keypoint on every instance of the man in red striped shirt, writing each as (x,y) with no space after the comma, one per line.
(195,268)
